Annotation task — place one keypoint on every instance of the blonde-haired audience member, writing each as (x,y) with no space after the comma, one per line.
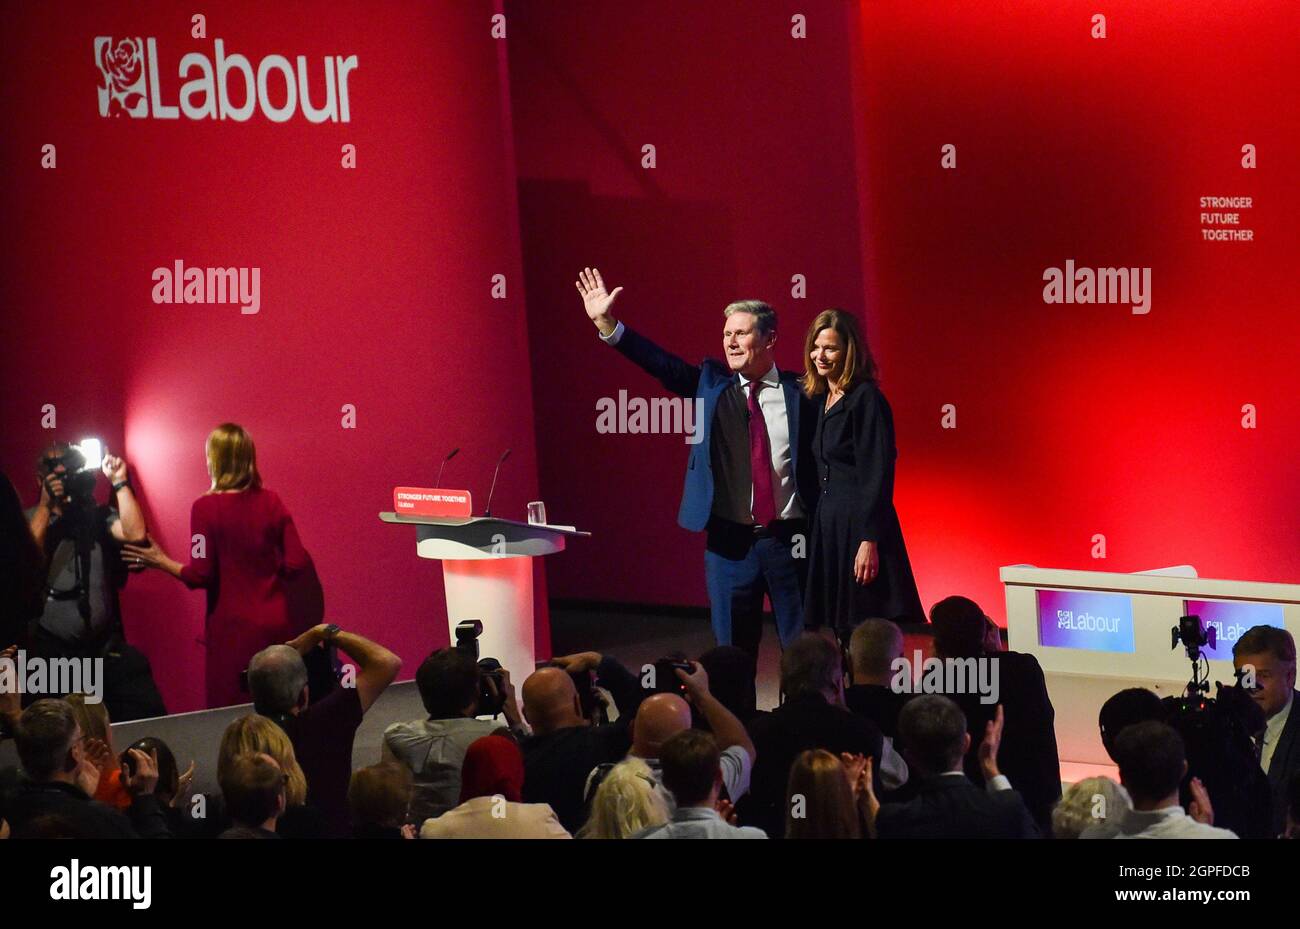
(1091,801)
(96,729)
(257,735)
(626,802)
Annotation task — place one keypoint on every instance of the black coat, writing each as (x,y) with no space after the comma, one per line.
(853,446)
(802,722)
(952,807)
(1028,756)
(66,807)
(1285,764)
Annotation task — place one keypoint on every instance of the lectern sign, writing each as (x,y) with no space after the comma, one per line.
(431,501)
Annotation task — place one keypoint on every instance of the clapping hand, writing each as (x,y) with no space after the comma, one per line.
(858,769)
(988,750)
(1199,808)
(145,778)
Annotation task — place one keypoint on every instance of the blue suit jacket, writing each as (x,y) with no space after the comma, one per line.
(708,381)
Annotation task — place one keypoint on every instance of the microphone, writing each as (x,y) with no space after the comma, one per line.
(450,455)
(487,510)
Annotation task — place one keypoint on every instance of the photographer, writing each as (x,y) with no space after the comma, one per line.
(80,540)
(566,745)
(454,690)
(322,731)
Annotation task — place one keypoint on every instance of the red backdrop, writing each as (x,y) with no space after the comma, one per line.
(375,290)
(821,156)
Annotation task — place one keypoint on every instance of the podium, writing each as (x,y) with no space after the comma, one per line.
(487,570)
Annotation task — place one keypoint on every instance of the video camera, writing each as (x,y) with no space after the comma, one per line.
(1218,735)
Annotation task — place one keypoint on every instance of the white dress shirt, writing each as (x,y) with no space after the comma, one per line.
(771,400)
(996,783)
(1273,731)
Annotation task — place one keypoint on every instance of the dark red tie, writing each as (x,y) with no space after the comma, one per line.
(760,460)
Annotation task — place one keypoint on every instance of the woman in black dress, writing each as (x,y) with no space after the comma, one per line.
(857,563)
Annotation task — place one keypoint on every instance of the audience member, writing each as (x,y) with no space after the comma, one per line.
(62,780)
(1129,706)
(173,784)
(1152,762)
(664,715)
(433,749)
(379,797)
(491,794)
(1031,762)
(253,787)
(627,801)
(873,648)
(322,732)
(97,733)
(812,716)
(1270,653)
(821,802)
(690,766)
(948,804)
(564,746)
(257,735)
(22,571)
(1089,802)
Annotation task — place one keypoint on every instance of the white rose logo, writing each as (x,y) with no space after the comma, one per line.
(121,68)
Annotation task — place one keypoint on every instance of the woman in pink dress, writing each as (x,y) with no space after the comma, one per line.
(245,552)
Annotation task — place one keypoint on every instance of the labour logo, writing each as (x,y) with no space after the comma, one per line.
(121,67)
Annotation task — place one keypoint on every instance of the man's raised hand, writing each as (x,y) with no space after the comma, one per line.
(596,300)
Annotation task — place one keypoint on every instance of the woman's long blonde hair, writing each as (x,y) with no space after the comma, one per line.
(253,735)
(92,718)
(858,363)
(626,802)
(232,459)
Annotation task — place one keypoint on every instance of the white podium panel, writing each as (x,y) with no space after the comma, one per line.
(487,570)
(1140,654)
(499,593)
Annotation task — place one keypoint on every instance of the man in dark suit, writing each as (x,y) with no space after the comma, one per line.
(812,716)
(873,648)
(750,479)
(948,805)
(62,778)
(1268,654)
(1030,761)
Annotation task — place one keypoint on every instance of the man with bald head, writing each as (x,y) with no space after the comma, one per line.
(660,718)
(873,648)
(665,715)
(565,746)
